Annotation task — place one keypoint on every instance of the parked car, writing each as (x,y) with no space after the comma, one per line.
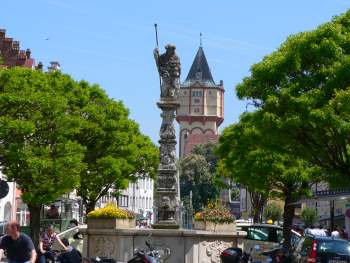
(312,249)
(263,237)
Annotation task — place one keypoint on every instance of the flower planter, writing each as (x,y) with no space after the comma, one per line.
(110,223)
(210,226)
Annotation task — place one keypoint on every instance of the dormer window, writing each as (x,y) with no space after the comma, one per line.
(198,75)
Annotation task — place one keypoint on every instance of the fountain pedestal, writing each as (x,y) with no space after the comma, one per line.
(167,186)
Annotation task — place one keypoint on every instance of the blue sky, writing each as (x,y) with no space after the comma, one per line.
(110,42)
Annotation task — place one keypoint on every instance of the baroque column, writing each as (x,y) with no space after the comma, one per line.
(167,188)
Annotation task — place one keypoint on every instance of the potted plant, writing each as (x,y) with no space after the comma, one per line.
(214,218)
(111,216)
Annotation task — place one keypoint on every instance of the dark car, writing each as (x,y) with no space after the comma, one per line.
(318,249)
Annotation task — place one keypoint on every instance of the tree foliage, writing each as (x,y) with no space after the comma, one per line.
(247,155)
(57,135)
(197,174)
(273,212)
(116,150)
(301,126)
(303,92)
(37,124)
(309,216)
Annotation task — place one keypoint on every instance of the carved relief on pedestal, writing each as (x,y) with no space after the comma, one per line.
(167,130)
(167,156)
(214,249)
(166,181)
(103,246)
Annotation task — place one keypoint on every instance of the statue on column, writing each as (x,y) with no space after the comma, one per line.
(169,69)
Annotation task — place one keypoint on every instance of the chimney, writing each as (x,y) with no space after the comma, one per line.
(39,66)
(28,53)
(54,65)
(2,33)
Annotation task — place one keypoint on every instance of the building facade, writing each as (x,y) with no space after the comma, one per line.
(138,197)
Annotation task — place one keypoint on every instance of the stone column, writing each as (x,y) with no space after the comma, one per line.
(166,200)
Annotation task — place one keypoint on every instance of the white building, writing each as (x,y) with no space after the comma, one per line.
(8,203)
(138,197)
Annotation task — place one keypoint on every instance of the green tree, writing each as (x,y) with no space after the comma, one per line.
(309,216)
(246,153)
(197,174)
(37,123)
(273,212)
(302,90)
(116,150)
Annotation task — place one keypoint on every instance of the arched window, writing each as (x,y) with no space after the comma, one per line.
(7,211)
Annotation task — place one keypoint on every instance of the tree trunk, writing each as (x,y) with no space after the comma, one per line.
(90,206)
(34,227)
(288,215)
(258,202)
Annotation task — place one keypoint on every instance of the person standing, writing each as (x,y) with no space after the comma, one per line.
(18,246)
(335,233)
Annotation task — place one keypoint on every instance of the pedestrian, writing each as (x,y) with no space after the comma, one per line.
(45,244)
(335,233)
(18,246)
(343,233)
(52,212)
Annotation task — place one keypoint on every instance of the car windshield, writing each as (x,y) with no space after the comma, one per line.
(333,246)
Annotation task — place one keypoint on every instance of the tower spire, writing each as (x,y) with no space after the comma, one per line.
(200,39)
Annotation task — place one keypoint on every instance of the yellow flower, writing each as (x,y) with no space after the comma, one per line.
(111,211)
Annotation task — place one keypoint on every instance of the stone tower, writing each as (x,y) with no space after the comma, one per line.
(201,108)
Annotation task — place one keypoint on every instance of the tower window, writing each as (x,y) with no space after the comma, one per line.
(197,93)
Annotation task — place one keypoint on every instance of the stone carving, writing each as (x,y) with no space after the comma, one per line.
(104,247)
(169,69)
(167,181)
(167,192)
(167,156)
(166,209)
(167,130)
(214,249)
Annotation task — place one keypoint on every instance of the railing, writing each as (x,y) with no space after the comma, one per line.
(333,192)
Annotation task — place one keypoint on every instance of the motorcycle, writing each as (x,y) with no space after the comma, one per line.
(149,255)
(277,255)
(234,255)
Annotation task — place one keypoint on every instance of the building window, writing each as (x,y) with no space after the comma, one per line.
(196,100)
(196,110)
(123,201)
(197,93)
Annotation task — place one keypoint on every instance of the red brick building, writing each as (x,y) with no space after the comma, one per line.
(11,55)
